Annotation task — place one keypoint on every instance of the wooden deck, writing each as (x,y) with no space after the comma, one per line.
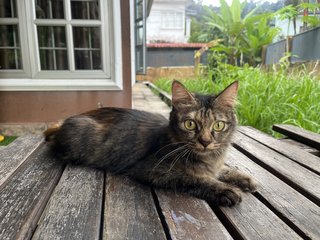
(42,199)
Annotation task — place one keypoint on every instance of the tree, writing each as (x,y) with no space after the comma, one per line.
(200,31)
(289,12)
(241,40)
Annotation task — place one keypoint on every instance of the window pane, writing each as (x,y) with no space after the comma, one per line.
(179,20)
(52,36)
(10,54)
(10,59)
(139,10)
(139,34)
(86,59)
(140,56)
(54,60)
(96,60)
(172,19)
(85,9)
(53,48)
(9,36)
(49,9)
(8,9)
(86,37)
(87,46)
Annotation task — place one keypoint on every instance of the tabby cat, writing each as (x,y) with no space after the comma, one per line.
(184,154)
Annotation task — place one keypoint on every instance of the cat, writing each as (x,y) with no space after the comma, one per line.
(184,154)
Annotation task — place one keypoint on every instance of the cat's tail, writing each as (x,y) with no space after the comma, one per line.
(50,133)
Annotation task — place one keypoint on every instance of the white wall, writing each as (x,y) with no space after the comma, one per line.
(155,29)
(283,25)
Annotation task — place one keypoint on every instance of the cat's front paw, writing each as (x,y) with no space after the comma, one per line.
(229,197)
(247,184)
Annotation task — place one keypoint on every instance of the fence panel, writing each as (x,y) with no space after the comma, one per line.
(306,46)
(275,52)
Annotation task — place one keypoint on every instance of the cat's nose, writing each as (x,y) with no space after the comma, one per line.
(204,142)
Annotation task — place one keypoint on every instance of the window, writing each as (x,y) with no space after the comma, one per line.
(140,36)
(60,44)
(10,50)
(172,20)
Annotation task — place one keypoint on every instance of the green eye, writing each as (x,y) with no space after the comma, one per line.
(218,126)
(190,124)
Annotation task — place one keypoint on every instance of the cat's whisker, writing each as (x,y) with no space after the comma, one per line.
(177,158)
(168,155)
(169,145)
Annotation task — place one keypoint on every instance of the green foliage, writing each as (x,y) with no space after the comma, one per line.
(313,20)
(7,140)
(258,35)
(243,34)
(289,12)
(265,98)
(200,32)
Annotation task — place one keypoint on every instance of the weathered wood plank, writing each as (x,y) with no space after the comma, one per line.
(302,213)
(190,218)
(302,146)
(255,221)
(130,211)
(23,198)
(301,135)
(296,154)
(74,209)
(13,155)
(302,179)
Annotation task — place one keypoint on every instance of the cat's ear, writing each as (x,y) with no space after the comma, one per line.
(228,96)
(181,97)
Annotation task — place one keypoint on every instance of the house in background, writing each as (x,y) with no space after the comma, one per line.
(287,28)
(168,22)
(63,57)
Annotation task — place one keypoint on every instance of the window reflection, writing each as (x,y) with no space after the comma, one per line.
(85,9)
(10,50)
(52,47)
(49,9)
(87,47)
(8,9)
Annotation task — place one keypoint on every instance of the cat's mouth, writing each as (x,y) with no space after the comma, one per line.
(205,149)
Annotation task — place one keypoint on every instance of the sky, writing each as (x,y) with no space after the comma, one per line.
(217,2)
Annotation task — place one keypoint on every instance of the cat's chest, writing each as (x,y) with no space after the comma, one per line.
(208,168)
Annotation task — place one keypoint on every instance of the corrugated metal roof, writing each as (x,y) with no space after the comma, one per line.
(176,45)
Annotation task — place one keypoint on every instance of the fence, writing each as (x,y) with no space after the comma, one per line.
(303,46)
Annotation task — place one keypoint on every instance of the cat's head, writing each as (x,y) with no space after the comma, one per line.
(204,122)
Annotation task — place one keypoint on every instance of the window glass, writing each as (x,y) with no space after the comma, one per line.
(140,36)
(52,48)
(87,47)
(8,9)
(10,50)
(172,19)
(85,9)
(178,20)
(49,9)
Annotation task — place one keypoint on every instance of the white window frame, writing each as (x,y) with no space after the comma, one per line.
(30,78)
(164,16)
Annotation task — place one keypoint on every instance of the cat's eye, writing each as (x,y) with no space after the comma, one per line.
(218,126)
(190,124)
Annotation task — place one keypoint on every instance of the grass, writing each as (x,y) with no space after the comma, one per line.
(7,140)
(265,98)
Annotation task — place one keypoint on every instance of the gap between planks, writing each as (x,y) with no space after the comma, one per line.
(266,157)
